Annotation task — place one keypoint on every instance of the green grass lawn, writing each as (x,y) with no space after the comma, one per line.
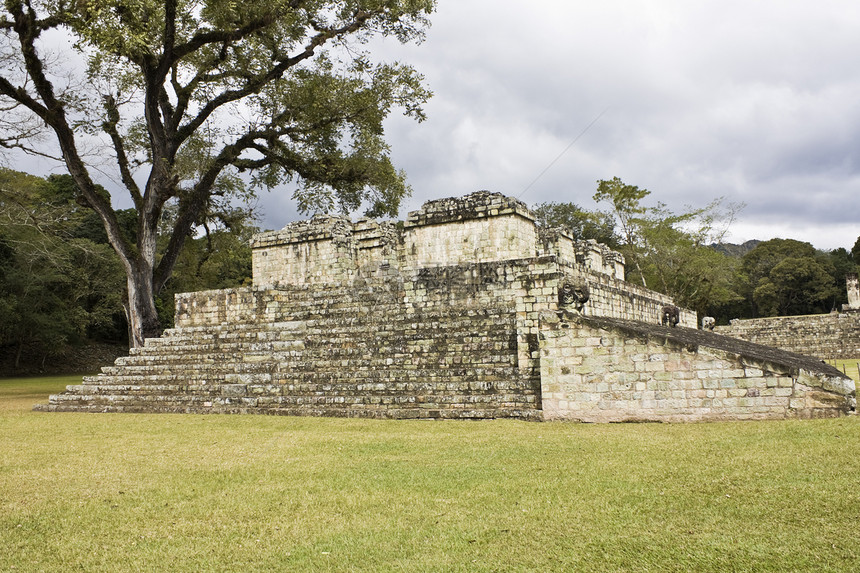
(137,492)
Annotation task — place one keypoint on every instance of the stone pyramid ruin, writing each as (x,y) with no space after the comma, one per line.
(465,310)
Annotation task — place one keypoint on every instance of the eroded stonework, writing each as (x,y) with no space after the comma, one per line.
(465,310)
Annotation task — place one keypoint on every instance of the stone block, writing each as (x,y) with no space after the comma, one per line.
(233,390)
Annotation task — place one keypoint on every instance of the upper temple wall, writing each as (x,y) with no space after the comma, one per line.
(478,228)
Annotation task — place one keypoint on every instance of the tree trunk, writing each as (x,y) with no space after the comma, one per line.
(18,353)
(142,317)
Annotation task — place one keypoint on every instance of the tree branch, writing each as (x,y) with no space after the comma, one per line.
(51,110)
(110,127)
(254,84)
(21,96)
(192,205)
(6,143)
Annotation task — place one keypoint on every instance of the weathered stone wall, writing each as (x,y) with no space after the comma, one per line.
(524,286)
(825,336)
(481,228)
(484,227)
(614,298)
(323,250)
(530,286)
(605,370)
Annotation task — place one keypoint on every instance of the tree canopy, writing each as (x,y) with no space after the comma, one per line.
(785,277)
(670,252)
(61,284)
(192,104)
(682,255)
(582,224)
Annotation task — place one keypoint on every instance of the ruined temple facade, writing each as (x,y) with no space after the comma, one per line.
(465,310)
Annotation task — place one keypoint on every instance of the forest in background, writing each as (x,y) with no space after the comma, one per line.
(62,287)
(683,254)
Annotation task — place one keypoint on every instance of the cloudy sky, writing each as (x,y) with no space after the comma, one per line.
(756,100)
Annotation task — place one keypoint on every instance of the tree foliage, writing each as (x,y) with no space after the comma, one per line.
(60,281)
(583,225)
(186,96)
(670,252)
(626,202)
(787,277)
(681,254)
(56,286)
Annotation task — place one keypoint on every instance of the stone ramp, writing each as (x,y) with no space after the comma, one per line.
(599,369)
(353,361)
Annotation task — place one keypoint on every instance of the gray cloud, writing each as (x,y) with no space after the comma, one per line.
(754,101)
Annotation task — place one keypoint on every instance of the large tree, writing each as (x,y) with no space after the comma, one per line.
(670,252)
(178,97)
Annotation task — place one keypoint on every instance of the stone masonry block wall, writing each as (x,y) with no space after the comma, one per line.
(478,228)
(607,371)
(530,285)
(377,244)
(526,286)
(478,240)
(317,251)
(451,235)
(589,255)
(825,336)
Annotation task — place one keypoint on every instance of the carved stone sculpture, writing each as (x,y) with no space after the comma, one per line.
(671,315)
(708,323)
(573,295)
(853,287)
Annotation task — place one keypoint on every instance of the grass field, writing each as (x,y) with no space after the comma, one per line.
(91,492)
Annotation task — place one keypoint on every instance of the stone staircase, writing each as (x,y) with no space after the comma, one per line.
(354,360)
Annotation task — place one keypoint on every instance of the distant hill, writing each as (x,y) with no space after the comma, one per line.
(733,250)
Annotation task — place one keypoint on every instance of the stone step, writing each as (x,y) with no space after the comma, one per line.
(207,342)
(322,357)
(385,320)
(135,390)
(189,345)
(337,359)
(207,393)
(376,368)
(352,412)
(249,363)
(302,383)
(146,402)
